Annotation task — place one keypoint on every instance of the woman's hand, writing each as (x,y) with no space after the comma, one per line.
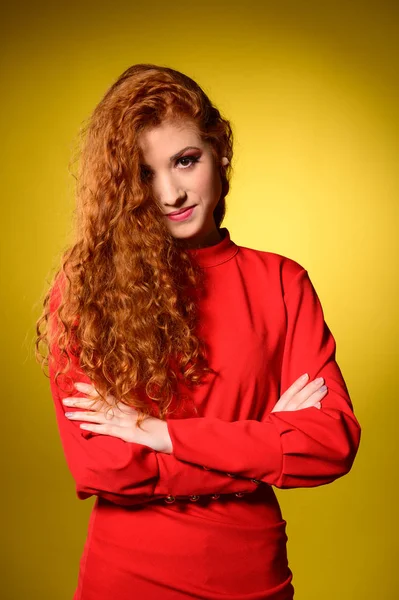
(297,396)
(119,420)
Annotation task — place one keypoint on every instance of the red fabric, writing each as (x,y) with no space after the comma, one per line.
(264,326)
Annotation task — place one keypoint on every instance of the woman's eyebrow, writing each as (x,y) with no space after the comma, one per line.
(181,152)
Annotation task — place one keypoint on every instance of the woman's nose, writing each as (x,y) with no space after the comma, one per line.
(169,190)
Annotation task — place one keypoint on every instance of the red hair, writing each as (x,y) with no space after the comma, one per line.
(122,300)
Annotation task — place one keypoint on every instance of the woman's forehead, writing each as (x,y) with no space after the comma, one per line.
(168,139)
(168,128)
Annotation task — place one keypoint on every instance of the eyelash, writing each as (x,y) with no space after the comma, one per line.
(192,159)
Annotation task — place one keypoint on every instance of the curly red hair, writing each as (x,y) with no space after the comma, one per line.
(122,300)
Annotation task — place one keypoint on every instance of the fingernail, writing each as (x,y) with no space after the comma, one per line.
(304,376)
(69,414)
(323,388)
(319,380)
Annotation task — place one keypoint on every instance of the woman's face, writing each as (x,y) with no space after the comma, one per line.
(183,174)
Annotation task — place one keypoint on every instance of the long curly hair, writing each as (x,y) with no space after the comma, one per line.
(123,302)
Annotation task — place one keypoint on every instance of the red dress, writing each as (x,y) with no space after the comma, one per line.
(204,521)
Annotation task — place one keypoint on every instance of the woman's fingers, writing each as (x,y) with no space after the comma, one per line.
(93,401)
(306,395)
(312,400)
(298,399)
(110,417)
(301,395)
(86,388)
(84,403)
(290,392)
(92,416)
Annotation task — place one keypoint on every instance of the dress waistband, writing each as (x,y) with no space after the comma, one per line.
(169,499)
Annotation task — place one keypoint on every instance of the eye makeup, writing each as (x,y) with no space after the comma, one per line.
(146,171)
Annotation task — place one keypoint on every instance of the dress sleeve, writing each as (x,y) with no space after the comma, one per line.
(287,449)
(122,472)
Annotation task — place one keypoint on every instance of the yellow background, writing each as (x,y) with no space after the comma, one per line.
(311,91)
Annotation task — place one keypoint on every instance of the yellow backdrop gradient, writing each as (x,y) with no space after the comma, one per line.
(311,91)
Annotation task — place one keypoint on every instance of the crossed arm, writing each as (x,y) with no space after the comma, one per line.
(289,448)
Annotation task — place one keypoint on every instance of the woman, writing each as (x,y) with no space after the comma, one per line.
(189,374)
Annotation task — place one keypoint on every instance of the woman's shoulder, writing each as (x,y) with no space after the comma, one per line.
(277,266)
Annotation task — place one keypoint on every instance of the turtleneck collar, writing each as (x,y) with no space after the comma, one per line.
(210,256)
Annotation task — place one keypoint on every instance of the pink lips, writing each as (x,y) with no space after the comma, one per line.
(182,216)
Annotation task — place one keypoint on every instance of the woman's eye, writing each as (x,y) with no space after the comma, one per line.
(191,160)
(185,161)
